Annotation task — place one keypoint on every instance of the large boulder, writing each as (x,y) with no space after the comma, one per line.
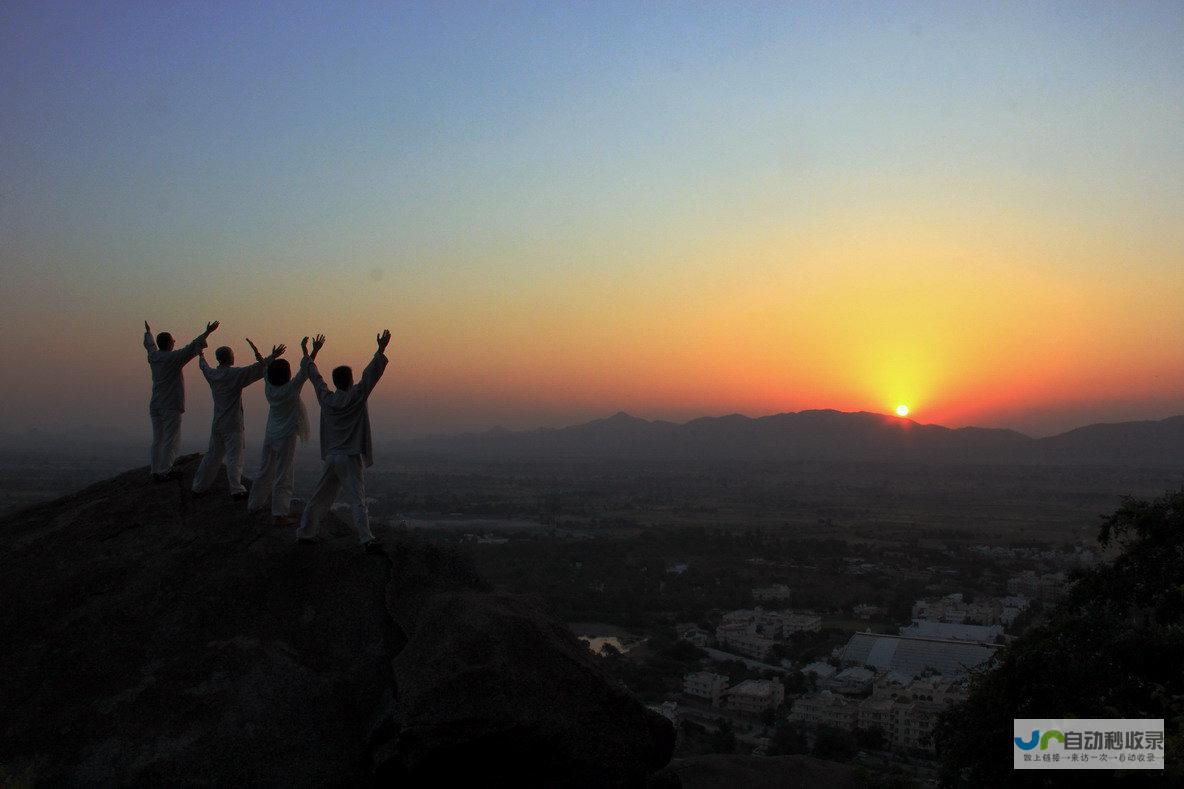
(155,637)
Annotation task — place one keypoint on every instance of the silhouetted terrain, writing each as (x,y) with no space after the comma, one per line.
(820,435)
(153,638)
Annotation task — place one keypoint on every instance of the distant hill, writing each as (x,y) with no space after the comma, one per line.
(1160,441)
(817,435)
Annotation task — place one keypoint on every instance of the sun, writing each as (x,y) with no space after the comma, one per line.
(902,410)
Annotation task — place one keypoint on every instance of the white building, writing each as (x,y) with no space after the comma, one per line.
(753,696)
(706,685)
(754,632)
(743,639)
(915,725)
(851,680)
(906,724)
(954,609)
(939,690)
(819,669)
(1013,606)
(825,709)
(879,713)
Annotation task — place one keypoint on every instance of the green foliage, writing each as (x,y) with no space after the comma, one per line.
(724,739)
(1112,648)
(681,652)
(794,682)
(788,738)
(834,744)
(869,739)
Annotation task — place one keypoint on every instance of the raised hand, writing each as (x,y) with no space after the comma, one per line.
(258,356)
(384,339)
(147,328)
(211,328)
(304,346)
(278,350)
(317,343)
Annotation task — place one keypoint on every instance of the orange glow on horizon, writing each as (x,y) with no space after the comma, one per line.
(979,326)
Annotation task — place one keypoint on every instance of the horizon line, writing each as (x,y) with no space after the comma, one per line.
(885,415)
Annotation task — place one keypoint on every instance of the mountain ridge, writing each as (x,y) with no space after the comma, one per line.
(817,434)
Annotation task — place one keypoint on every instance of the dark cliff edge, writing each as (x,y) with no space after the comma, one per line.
(152,637)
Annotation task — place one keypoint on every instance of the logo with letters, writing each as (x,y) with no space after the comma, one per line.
(1088,744)
(1040,739)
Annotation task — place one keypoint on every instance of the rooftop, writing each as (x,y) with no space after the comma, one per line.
(913,656)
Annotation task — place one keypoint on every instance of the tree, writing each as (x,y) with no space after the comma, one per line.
(871,739)
(794,681)
(834,744)
(788,738)
(723,740)
(682,651)
(1112,648)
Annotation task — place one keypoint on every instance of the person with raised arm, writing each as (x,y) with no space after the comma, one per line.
(226,432)
(346,447)
(286,421)
(168,394)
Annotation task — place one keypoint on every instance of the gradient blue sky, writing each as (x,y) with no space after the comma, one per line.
(565,209)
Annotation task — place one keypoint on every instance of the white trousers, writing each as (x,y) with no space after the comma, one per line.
(341,473)
(166,437)
(222,445)
(274,477)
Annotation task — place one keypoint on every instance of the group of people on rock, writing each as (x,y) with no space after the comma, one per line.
(344,430)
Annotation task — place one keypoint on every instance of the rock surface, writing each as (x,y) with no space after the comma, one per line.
(154,637)
(761,772)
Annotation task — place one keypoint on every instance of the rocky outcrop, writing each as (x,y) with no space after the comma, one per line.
(761,772)
(154,637)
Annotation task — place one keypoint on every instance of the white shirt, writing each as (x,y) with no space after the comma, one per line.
(287,415)
(345,419)
(168,384)
(226,385)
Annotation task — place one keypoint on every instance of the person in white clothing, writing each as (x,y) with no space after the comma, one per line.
(345,445)
(168,394)
(286,421)
(226,433)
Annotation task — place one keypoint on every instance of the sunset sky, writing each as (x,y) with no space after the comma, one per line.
(564,210)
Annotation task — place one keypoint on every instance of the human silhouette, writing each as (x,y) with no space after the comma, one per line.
(286,421)
(226,431)
(168,394)
(345,444)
